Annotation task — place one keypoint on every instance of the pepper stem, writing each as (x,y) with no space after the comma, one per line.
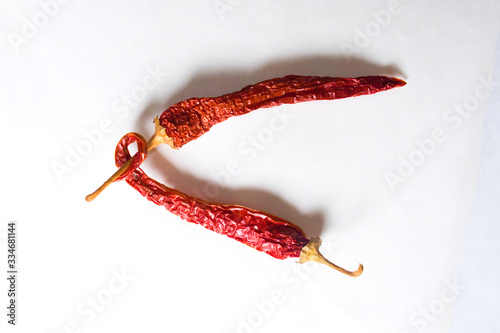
(310,252)
(158,138)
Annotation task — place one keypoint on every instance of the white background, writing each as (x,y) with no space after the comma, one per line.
(68,69)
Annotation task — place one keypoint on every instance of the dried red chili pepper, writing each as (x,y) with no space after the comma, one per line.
(262,231)
(188,120)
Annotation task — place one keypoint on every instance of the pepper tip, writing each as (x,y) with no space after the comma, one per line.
(399,82)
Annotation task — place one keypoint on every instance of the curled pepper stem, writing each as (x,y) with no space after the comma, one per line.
(310,252)
(158,138)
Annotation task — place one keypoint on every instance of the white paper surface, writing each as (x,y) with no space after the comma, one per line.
(478,307)
(387,180)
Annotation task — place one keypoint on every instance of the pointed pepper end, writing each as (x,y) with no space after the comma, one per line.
(397,82)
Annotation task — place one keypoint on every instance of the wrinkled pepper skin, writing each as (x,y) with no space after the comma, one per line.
(264,232)
(189,119)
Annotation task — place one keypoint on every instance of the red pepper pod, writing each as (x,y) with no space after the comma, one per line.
(189,119)
(264,232)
